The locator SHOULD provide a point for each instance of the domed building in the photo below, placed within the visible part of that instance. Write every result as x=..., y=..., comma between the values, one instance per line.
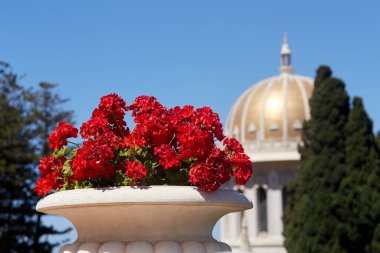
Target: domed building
x=267, y=119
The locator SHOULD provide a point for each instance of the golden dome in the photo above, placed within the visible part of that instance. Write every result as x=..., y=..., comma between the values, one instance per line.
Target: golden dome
x=269, y=115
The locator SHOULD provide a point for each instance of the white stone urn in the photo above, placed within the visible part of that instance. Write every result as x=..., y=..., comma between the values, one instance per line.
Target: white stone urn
x=153, y=219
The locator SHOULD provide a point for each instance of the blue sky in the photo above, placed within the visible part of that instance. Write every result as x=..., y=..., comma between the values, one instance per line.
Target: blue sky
x=187, y=52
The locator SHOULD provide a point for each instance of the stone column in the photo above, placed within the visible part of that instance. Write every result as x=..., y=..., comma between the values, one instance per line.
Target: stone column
x=274, y=211
x=251, y=194
x=234, y=227
x=274, y=195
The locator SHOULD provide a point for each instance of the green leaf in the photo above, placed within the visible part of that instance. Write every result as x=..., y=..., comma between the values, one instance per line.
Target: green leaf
x=155, y=165
x=123, y=153
x=144, y=153
x=61, y=152
x=139, y=151
x=73, y=153
x=177, y=176
x=148, y=164
x=156, y=180
x=87, y=184
x=66, y=168
x=119, y=178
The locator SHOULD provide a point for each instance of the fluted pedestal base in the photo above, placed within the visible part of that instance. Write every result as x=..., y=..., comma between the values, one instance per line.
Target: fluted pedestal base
x=146, y=247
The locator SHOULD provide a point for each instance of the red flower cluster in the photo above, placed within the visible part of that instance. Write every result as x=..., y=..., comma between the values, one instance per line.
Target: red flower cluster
x=58, y=138
x=135, y=170
x=166, y=146
x=93, y=161
x=51, y=174
x=167, y=157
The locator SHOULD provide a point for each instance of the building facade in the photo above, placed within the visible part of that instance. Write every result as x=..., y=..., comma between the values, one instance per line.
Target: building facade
x=267, y=119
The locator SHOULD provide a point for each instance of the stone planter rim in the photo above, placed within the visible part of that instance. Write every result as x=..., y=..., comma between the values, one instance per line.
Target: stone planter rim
x=142, y=195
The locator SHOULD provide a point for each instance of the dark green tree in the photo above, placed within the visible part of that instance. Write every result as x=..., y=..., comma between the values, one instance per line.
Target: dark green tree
x=310, y=217
x=374, y=185
x=323, y=72
x=26, y=117
x=375, y=243
x=378, y=139
x=17, y=163
x=46, y=112
x=357, y=209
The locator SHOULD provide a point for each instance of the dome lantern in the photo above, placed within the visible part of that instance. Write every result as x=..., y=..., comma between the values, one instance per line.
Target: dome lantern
x=286, y=57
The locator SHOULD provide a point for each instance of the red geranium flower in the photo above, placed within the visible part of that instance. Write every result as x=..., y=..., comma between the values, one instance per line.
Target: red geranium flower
x=51, y=174
x=243, y=168
x=135, y=170
x=167, y=157
x=93, y=161
x=58, y=138
x=233, y=145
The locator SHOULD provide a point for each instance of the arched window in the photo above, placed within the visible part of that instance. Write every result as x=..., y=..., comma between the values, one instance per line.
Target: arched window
x=286, y=60
x=262, y=209
x=284, y=197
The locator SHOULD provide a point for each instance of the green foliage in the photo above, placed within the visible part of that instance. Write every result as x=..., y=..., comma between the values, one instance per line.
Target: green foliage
x=378, y=139
x=323, y=72
x=17, y=159
x=357, y=218
x=121, y=179
x=26, y=118
x=310, y=218
x=334, y=201
x=375, y=243
x=374, y=185
x=62, y=152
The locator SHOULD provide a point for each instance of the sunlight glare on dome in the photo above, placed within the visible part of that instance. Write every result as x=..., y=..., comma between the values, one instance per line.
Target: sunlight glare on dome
x=273, y=104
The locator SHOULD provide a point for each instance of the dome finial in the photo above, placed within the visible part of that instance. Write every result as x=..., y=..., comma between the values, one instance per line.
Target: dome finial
x=286, y=66
x=284, y=39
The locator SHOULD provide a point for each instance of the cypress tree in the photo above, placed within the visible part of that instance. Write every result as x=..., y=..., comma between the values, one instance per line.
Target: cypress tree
x=310, y=217
x=374, y=185
x=355, y=199
x=378, y=138
x=323, y=72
